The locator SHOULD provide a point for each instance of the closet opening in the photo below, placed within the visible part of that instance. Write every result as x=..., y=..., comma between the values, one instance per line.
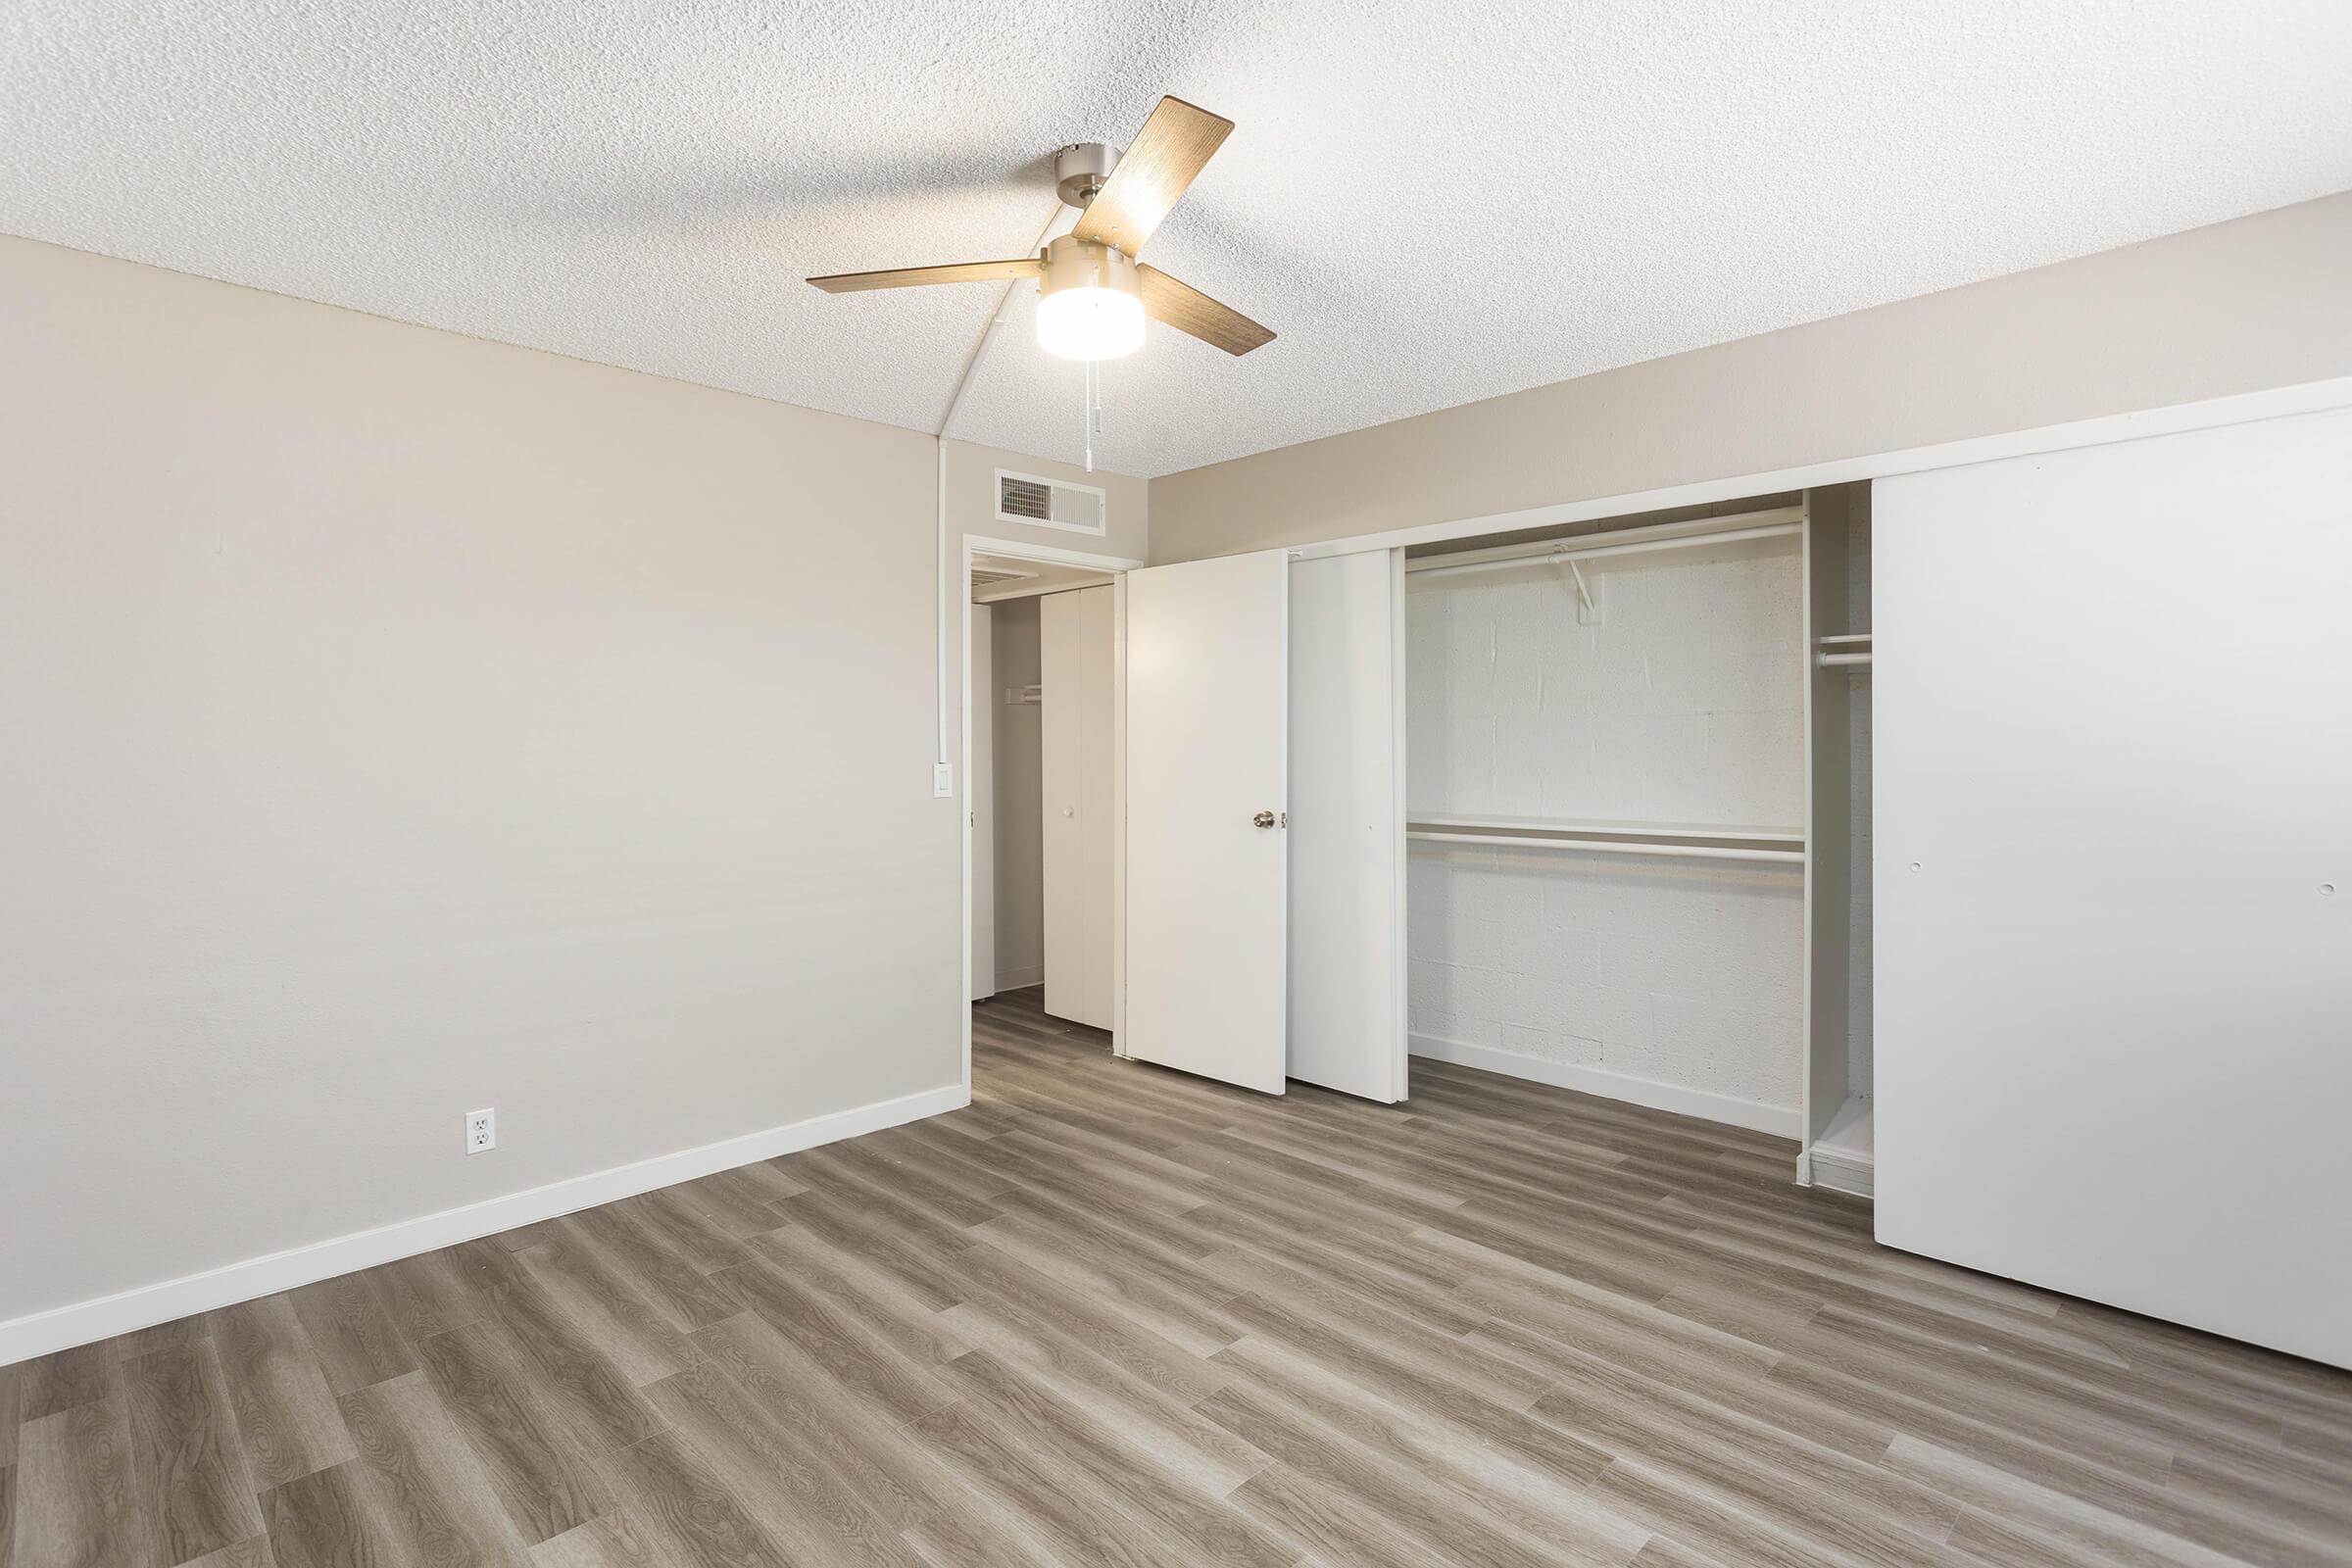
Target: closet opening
x=1637, y=809
x=1042, y=705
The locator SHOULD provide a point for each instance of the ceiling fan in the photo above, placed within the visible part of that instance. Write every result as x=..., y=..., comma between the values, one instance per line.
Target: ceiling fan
x=1095, y=293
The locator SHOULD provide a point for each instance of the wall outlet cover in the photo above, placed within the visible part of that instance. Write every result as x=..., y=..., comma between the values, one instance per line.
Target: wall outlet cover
x=481, y=1131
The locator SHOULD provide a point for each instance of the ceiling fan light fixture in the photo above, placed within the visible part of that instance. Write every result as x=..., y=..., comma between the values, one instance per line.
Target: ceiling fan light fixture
x=1095, y=293
x=1091, y=304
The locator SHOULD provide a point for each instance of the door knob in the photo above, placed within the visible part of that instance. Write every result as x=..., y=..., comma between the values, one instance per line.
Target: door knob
x=1262, y=820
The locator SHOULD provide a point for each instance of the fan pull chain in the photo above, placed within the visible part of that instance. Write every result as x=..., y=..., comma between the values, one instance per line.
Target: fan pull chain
x=1091, y=409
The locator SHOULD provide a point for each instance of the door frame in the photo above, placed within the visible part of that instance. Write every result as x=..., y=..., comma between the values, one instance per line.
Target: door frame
x=1117, y=566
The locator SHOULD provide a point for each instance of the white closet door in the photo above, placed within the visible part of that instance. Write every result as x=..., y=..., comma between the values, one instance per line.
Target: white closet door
x=980, y=792
x=1207, y=764
x=1347, y=833
x=1097, y=763
x=2113, y=716
x=1074, y=650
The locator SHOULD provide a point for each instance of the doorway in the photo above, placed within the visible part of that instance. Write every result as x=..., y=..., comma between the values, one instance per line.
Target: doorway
x=1042, y=744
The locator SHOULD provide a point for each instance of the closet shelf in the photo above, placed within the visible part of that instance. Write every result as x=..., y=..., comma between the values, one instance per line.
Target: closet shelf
x=1695, y=840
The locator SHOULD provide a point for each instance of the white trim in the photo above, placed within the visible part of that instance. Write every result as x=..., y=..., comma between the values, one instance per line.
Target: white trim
x=963, y=818
x=1840, y=1170
x=86, y=1322
x=1020, y=979
x=1812, y=873
x=1101, y=525
x=1030, y=549
x=1401, y=1077
x=2309, y=397
x=1782, y=1121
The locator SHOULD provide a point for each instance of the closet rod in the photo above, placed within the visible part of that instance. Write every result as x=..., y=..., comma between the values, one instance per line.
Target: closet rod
x=1583, y=550
x=1707, y=852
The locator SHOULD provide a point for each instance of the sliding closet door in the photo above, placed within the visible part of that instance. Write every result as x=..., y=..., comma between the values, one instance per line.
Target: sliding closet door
x=1347, y=833
x=1207, y=763
x=2114, y=874
x=1075, y=656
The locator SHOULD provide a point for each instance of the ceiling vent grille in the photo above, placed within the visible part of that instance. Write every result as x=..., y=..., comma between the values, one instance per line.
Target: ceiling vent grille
x=991, y=576
x=1050, y=503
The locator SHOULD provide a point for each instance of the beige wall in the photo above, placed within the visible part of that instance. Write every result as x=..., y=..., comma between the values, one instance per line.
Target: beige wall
x=2258, y=303
x=399, y=723
x=972, y=498
x=1019, y=798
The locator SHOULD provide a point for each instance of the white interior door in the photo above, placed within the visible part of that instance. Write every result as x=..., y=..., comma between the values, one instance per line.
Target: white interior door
x=1347, y=832
x=1075, y=647
x=1207, y=769
x=2112, y=718
x=980, y=789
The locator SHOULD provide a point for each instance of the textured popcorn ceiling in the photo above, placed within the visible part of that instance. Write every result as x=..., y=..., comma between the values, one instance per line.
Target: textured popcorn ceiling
x=1432, y=203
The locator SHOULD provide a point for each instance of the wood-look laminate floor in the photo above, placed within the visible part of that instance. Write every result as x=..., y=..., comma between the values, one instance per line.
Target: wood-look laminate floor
x=1110, y=1314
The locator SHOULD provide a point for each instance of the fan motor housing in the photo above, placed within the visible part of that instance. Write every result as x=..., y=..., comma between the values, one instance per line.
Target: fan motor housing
x=1074, y=263
x=1080, y=169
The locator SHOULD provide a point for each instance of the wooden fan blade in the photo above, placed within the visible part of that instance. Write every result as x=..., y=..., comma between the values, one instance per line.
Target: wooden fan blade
x=1187, y=310
x=1167, y=156
x=911, y=277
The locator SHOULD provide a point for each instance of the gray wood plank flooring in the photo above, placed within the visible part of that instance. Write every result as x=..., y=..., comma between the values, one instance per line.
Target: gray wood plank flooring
x=1112, y=1314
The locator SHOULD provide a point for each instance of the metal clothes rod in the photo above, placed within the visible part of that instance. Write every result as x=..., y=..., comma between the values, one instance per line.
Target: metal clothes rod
x=1598, y=828
x=1833, y=660
x=1708, y=852
x=1582, y=551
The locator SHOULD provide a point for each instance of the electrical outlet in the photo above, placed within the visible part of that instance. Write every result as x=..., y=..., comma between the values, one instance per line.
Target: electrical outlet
x=943, y=780
x=481, y=1131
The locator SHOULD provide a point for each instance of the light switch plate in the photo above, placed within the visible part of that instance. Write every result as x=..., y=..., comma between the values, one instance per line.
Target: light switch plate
x=943, y=780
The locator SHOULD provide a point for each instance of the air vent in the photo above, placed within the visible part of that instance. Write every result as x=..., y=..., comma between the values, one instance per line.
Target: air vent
x=1024, y=498
x=1049, y=502
x=991, y=576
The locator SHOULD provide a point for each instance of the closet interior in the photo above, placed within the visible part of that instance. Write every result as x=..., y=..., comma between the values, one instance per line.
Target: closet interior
x=1043, y=670
x=1637, y=809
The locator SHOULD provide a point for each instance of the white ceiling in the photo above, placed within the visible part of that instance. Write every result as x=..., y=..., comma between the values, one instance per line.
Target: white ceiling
x=1431, y=203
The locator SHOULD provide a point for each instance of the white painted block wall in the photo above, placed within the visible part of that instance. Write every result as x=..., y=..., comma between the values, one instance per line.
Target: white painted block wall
x=1686, y=704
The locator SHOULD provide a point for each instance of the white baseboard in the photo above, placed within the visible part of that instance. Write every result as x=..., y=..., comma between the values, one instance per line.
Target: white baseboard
x=1020, y=979
x=1842, y=1170
x=1781, y=1121
x=85, y=1322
